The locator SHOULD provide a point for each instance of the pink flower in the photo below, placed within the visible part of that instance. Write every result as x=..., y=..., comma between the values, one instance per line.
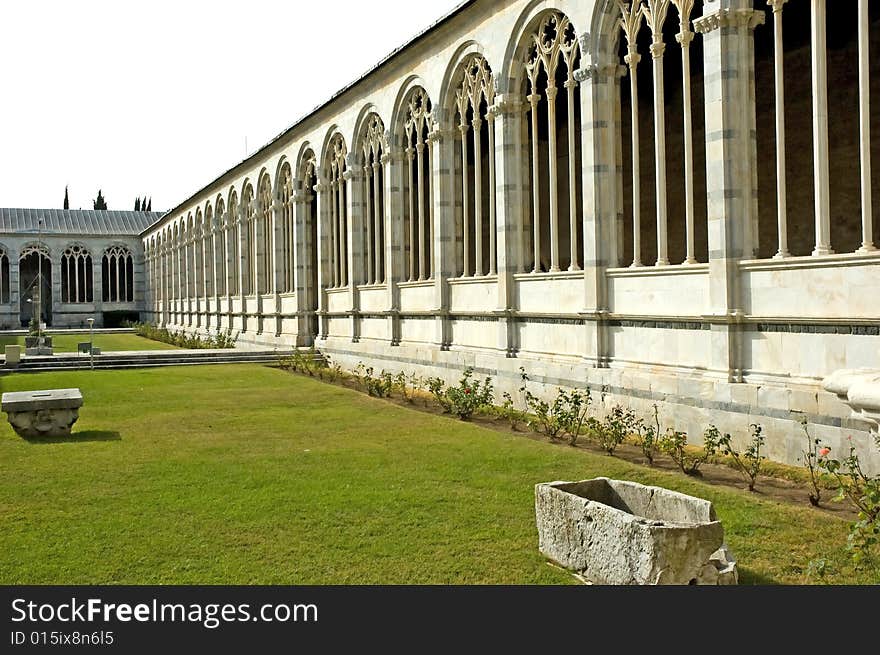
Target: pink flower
x=467, y=391
x=824, y=451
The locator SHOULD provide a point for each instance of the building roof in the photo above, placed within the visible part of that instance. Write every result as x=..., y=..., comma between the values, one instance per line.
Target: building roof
x=259, y=152
x=84, y=222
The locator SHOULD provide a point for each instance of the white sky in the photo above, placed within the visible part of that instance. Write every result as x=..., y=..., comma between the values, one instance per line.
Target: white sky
x=158, y=97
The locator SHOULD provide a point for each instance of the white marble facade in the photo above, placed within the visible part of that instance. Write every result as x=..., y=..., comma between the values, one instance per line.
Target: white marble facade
x=470, y=202
x=92, y=262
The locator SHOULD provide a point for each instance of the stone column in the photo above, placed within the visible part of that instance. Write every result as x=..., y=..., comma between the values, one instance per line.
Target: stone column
x=728, y=50
x=300, y=202
x=55, y=301
x=198, y=276
x=98, y=288
x=601, y=158
x=230, y=267
x=279, y=255
x=506, y=117
x=188, y=271
x=203, y=242
x=257, y=265
x=821, y=174
x=865, y=129
x=394, y=236
x=353, y=177
x=325, y=276
x=241, y=233
x=443, y=152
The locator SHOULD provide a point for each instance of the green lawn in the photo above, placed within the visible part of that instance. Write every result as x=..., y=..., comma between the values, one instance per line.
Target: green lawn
x=67, y=343
x=245, y=474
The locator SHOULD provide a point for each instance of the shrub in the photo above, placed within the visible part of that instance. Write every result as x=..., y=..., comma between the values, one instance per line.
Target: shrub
x=573, y=415
x=408, y=386
x=748, y=463
x=509, y=411
x=614, y=430
x=812, y=458
x=183, y=340
x=379, y=385
x=863, y=493
x=648, y=436
x=674, y=444
x=469, y=396
x=437, y=387
x=547, y=418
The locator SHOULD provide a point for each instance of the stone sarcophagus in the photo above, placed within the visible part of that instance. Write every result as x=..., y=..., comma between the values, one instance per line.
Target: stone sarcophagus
x=621, y=533
x=49, y=413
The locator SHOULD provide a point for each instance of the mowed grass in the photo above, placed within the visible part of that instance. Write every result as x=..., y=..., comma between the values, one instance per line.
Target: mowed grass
x=112, y=342
x=248, y=475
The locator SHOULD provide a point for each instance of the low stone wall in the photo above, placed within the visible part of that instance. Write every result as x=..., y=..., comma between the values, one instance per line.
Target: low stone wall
x=687, y=401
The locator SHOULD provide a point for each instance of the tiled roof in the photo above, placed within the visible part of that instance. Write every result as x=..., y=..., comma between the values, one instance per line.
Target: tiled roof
x=75, y=221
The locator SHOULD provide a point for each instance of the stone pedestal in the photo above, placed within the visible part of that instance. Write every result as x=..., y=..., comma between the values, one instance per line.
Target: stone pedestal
x=623, y=533
x=38, y=345
x=13, y=356
x=50, y=413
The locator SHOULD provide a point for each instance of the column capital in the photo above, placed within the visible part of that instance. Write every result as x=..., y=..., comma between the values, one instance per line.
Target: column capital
x=749, y=18
x=657, y=49
x=776, y=5
x=601, y=73
x=506, y=104
x=352, y=173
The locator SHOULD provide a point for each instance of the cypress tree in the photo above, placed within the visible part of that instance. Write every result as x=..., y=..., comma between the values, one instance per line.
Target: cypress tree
x=150, y=204
x=66, y=200
x=137, y=204
x=99, y=202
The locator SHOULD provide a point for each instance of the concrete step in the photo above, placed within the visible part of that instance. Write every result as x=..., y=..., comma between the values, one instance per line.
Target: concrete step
x=150, y=359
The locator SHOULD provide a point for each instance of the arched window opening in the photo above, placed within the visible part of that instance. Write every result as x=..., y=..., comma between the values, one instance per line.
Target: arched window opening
x=208, y=250
x=197, y=263
x=662, y=184
x=419, y=228
x=553, y=127
x=76, y=275
x=263, y=255
x=373, y=233
x=288, y=234
x=475, y=223
x=307, y=185
x=117, y=275
x=233, y=233
x=249, y=241
x=4, y=277
x=809, y=205
x=334, y=171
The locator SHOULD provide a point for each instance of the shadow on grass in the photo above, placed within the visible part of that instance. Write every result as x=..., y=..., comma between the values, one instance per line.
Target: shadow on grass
x=79, y=437
x=750, y=577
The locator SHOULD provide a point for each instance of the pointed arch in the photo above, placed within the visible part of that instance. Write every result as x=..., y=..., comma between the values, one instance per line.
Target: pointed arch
x=76, y=274
x=415, y=122
x=468, y=103
x=334, y=172
x=371, y=147
x=543, y=76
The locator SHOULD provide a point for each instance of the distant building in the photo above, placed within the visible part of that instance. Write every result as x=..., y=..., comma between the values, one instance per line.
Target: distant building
x=92, y=266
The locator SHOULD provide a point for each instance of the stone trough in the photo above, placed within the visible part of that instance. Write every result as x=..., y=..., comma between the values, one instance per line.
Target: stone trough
x=49, y=413
x=622, y=533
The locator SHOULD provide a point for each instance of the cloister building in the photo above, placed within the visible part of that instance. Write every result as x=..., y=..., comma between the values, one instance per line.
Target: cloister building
x=670, y=202
x=71, y=265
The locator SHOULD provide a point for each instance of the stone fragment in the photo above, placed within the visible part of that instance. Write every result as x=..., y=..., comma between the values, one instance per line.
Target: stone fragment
x=49, y=413
x=618, y=533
